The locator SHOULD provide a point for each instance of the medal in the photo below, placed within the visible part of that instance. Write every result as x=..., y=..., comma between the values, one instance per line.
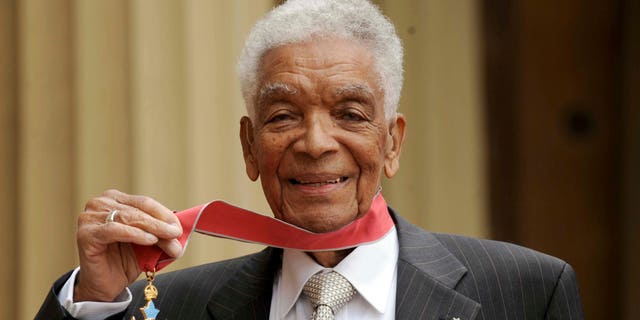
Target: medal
x=221, y=219
x=149, y=311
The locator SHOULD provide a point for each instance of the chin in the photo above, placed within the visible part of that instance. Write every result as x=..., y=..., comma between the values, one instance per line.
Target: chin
x=318, y=214
x=322, y=223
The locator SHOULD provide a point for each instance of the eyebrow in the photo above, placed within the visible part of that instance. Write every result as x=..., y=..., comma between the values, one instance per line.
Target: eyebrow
x=354, y=89
x=274, y=89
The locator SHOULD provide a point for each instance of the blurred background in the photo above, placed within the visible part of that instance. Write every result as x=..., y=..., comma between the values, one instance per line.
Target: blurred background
x=523, y=126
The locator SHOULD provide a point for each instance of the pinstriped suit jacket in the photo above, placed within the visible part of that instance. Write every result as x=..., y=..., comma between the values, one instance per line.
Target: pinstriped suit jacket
x=440, y=276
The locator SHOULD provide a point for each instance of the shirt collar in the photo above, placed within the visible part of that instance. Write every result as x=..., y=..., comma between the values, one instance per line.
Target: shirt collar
x=373, y=281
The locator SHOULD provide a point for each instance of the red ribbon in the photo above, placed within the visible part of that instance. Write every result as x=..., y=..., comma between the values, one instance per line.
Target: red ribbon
x=220, y=219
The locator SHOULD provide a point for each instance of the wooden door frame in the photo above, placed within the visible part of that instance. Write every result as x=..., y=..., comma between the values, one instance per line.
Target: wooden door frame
x=502, y=36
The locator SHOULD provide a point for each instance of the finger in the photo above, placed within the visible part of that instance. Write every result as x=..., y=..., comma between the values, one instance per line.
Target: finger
x=101, y=203
x=146, y=204
x=109, y=233
x=133, y=217
x=172, y=247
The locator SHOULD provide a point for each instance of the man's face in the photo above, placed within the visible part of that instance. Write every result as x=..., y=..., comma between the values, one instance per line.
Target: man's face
x=320, y=141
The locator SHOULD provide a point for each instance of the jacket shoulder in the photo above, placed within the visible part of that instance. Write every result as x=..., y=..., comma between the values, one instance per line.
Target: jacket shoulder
x=509, y=281
x=501, y=256
x=512, y=281
x=480, y=255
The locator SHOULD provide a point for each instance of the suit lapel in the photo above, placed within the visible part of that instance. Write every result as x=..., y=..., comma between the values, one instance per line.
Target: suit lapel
x=247, y=295
x=427, y=276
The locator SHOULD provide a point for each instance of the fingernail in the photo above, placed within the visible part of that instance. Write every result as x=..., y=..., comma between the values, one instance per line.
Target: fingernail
x=151, y=237
x=175, y=247
x=176, y=230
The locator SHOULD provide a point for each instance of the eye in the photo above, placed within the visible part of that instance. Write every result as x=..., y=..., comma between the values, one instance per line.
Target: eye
x=352, y=115
x=280, y=117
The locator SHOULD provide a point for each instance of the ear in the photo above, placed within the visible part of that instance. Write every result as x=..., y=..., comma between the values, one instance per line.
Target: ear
x=394, y=145
x=246, y=139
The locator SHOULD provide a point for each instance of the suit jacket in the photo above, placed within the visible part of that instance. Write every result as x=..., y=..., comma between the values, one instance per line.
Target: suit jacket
x=440, y=276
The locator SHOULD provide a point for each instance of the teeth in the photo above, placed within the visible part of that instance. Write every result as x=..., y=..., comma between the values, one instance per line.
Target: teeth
x=317, y=184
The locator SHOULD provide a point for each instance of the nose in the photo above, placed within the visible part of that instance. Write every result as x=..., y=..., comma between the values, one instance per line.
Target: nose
x=318, y=138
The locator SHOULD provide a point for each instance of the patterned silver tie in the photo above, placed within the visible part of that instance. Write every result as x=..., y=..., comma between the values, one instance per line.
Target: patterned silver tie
x=328, y=292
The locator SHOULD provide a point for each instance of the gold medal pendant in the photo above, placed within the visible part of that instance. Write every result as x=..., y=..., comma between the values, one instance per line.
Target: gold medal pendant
x=149, y=310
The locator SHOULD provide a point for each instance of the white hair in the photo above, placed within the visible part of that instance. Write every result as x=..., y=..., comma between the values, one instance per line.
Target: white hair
x=301, y=20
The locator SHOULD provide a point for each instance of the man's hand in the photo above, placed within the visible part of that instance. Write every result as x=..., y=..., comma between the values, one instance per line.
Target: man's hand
x=107, y=261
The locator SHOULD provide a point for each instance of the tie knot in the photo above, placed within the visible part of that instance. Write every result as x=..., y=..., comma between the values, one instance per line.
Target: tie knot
x=328, y=292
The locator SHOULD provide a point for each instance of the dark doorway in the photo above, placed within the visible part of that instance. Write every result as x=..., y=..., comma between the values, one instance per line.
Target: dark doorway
x=555, y=73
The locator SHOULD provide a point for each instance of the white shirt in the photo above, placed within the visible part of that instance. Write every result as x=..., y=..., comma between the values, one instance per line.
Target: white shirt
x=370, y=268
x=90, y=310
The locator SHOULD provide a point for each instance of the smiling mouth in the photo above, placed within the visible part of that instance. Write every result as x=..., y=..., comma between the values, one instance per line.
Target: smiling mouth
x=317, y=183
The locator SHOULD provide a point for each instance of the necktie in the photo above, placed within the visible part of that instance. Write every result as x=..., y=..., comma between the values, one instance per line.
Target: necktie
x=328, y=292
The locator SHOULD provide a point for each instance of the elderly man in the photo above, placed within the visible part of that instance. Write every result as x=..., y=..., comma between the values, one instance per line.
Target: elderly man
x=321, y=82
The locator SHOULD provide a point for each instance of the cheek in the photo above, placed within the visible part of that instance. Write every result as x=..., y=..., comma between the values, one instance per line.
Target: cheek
x=371, y=153
x=370, y=158
x=271, y=150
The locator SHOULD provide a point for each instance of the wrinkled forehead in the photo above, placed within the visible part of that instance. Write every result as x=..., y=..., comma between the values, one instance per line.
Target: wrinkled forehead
x=335, y=69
